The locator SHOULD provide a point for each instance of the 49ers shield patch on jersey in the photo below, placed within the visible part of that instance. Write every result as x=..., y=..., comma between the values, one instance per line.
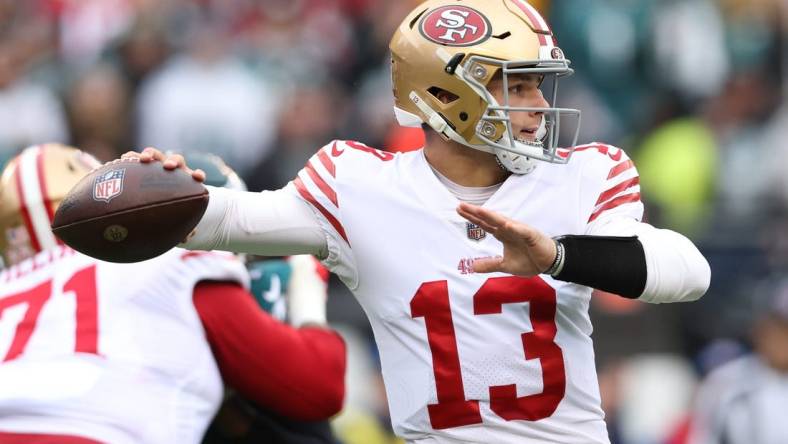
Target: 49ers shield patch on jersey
x=455, y=25
x=475, y=232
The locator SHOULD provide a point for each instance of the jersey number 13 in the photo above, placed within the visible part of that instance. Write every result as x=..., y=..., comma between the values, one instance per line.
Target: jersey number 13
x=452, y=410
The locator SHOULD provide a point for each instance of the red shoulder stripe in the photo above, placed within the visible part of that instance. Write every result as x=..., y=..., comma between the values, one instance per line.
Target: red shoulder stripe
x=324, y=187
x=299, y=184
x=620, y=200
x=327, y=162
x=620, y=168
x=617, y=189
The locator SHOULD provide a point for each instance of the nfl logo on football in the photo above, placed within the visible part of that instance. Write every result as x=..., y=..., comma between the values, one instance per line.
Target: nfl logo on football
x=109, y=185
x=475, y=232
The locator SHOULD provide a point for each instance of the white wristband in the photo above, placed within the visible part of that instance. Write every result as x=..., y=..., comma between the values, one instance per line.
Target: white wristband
x=306, y=293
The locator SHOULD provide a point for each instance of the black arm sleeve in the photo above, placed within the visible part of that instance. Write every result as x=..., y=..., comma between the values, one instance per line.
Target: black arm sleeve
x=613, y=264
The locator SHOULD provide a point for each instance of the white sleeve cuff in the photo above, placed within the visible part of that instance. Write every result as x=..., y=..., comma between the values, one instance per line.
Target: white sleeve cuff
x=306, y=292
x=675, y=270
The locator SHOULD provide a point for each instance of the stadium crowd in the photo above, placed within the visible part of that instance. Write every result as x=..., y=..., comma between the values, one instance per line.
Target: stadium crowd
x=694, y=90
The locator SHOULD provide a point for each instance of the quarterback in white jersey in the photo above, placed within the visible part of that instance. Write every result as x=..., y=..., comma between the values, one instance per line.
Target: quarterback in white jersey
x=504, y=357
x=482, y=358
x=92, y=351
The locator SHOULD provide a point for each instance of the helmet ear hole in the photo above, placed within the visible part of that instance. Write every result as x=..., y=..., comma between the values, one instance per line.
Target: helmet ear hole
x=442, y=95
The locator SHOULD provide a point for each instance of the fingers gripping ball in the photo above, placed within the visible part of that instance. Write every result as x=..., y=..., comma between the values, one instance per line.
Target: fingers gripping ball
x=127, y=211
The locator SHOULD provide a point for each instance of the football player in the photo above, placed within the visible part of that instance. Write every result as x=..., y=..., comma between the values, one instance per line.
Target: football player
x=466, y=356
x=92, y=351
x=302, y=281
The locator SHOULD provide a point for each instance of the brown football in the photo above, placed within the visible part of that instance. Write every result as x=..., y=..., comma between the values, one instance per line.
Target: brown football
x=127, y=211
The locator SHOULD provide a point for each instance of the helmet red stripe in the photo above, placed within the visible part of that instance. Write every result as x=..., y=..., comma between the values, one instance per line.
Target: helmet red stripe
x=24, y=210
x=535, y=23
x=45, y=197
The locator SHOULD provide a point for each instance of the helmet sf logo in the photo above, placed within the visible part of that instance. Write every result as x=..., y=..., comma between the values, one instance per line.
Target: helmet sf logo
x=455, y=26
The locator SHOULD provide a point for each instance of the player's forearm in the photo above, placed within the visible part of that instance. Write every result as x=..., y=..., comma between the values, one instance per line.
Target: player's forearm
x=659, y=266
x=271, y=223
x=269, y=362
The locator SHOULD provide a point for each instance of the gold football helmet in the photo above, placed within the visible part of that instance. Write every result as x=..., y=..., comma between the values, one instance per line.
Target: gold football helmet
x=459, y=47
x=31, y=187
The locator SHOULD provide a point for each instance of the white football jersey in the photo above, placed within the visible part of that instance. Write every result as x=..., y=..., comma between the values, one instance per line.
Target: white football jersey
x=116, y=353
x=466, y=357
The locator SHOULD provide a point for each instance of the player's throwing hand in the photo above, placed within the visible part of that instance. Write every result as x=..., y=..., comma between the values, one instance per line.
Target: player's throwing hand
x=526, y=250
x=170, y=161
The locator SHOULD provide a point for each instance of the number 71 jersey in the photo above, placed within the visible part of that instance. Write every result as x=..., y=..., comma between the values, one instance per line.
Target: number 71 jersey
x=468, y=357
x=111, y=352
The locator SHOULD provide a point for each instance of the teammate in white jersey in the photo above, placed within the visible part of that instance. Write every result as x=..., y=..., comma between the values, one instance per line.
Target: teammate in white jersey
x=504, y=357
x=92, y=351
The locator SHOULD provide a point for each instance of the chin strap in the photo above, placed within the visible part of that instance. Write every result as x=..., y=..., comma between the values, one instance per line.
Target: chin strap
x=541, y=132
x=514, y=163
x=439, y=124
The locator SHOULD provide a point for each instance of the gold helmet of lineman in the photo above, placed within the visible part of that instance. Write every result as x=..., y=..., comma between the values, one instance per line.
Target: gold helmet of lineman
x=32, y=186
x=459, y=47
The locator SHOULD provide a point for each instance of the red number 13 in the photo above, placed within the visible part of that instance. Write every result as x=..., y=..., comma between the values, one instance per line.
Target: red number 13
x=452, y=410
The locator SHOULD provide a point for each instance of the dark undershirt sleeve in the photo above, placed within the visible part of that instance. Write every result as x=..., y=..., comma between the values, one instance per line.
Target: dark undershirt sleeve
x=298, y=373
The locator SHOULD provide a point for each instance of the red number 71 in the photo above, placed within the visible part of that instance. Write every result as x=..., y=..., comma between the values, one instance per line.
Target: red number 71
x=83, y=285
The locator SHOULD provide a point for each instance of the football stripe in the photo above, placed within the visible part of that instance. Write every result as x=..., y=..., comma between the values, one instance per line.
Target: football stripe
x=620, y=200
x=299, y=184
x=537, y=22
x=327, y=162
x=324, y=187
x=617, y=189
x=620, y=168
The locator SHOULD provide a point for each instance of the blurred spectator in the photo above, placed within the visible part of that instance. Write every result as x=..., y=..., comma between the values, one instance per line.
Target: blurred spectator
x=745, y=400
x=311, y=115
x=689, y=46
x=677, y=163
x=29, y=113
x=87, y=26
x=738, y=117
x=206, y=100
x=302, y=40
x=688, y=87
x=98, y=106
x=141, y=50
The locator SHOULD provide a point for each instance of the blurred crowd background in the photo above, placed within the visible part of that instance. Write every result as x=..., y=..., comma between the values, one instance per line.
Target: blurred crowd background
x=694, y=91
